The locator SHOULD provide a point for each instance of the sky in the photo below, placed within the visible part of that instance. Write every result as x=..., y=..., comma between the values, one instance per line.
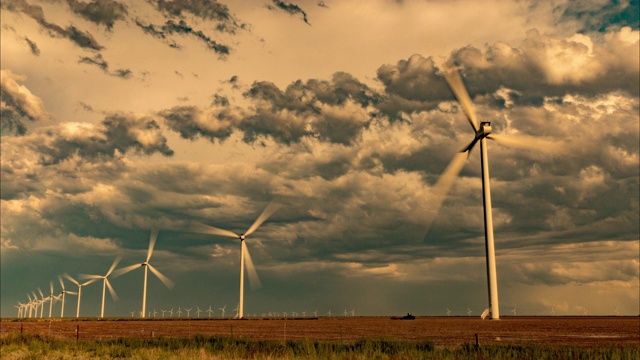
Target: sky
x=119, y=117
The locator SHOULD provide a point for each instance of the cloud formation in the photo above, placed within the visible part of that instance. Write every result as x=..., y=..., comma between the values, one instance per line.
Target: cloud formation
x=290, y=8
x=83, y=39
x=18, y=104
x=99, y=61
x=101, y=12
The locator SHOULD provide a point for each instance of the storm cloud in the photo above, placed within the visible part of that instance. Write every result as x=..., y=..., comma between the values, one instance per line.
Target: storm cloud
x=19, y=105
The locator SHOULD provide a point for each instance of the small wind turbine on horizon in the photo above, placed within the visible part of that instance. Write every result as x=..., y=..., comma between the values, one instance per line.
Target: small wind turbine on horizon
x=147, y=266
x=245, y=257
x=105, y=283
x=79, y=289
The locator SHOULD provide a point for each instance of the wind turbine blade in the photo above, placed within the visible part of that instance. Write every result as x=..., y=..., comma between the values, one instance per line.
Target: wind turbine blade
x=441, y=188
x=61, y=282
x=115, y=263
x=266, y=213
x=152, y=242
x=460, y=91
x=41, y=294
x=71, y=279
x=71, y=292
x=168, y=283
x=254, y=280
x=538, y=144
x=51, y=286
x=90, y=281
x=85, y=276
x=125, y=270
x=114, y=296
x=208, y=229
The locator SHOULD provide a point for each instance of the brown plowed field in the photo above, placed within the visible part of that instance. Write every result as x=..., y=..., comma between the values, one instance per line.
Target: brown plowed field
x=555, y=331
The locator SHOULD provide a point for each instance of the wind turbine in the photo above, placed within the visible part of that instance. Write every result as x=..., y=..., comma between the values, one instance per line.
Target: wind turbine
x=63, y=293
x=147, y=266
x=51, y=298
x=105, y=283
x=448, y=312
x=244, y=251
x=42, y=300
x=79, y=289
x=482, y=131
x=222, y=309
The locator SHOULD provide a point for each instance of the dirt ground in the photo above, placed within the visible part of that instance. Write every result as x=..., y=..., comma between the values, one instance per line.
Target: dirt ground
x=443, y=331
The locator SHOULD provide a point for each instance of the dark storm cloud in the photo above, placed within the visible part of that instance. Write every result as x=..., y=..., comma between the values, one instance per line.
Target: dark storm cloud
x=99, y=61
x=19, y=105
x=32, y=46
x=101, y=12
x=77, y=36
x=603, y=16
x=290, y=8
x=314, y=108
x=117, y=135
x=542, y=67
x=191, y=122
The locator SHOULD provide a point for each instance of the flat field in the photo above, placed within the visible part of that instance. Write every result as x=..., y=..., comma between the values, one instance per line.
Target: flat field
x=443, y=331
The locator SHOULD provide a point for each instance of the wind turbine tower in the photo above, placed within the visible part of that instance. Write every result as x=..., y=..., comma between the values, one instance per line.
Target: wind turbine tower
x=147, y=266
x=482, y=131
x=245, y=257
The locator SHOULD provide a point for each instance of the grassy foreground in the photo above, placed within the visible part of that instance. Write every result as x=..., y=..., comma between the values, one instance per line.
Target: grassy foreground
x=17, y=346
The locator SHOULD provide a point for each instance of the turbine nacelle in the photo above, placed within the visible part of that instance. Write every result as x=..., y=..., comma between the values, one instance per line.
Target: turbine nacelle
x=241, y=237
x=482, y=132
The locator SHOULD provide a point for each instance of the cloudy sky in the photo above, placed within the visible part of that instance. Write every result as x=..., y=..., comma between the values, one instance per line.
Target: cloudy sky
x=120, y=116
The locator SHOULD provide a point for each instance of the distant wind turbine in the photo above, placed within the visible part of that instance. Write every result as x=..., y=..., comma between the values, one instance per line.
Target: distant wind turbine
x=209, y=311
x=105, y=283
x=63, y=293
x=513, y=311
x=222, y=309
x=147, y=266
x=448, y=312
x=42, y=301
x=51, y=298
x=245, y=257
x=79, y=289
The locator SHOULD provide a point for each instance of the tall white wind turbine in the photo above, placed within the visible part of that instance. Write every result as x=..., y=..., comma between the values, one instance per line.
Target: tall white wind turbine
x=51, y=298
x=105, y=283
x=147, y=266
x=79, y=290
x=482, y=132
x=63, y=293
x=245, y=257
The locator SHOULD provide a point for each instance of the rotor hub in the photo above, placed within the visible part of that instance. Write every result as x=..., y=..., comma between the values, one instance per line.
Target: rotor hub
x=242, y=237
x=484, y=130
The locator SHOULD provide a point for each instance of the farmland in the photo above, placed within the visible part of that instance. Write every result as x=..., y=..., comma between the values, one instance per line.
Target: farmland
x=442, y=331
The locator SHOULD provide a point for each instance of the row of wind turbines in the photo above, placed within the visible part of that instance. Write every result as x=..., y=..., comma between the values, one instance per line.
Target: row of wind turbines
x=30, y=309
x=482, y=131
